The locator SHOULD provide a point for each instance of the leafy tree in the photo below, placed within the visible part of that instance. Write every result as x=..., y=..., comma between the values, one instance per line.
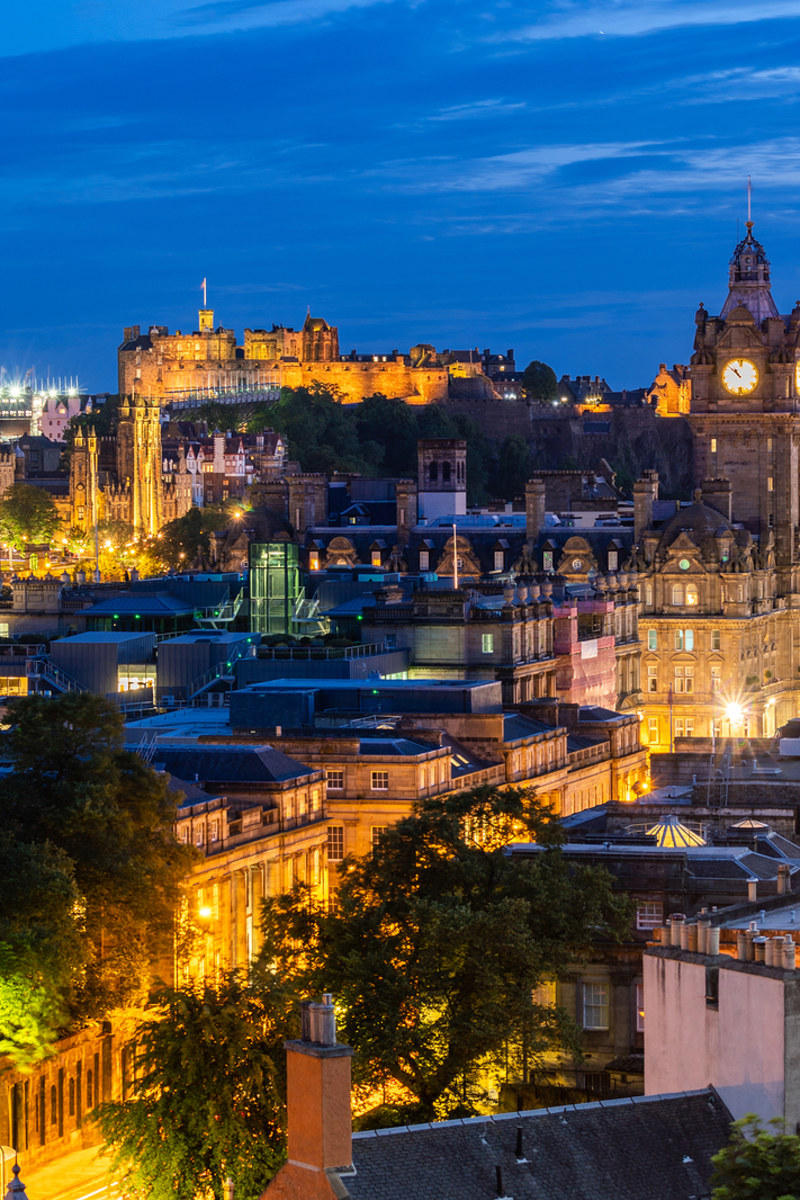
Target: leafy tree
x=41, y=946
x=757, y=1164
x=438, y=940
x=207, y=1098
x=540, y=381
x=75, y=787
x=514, y=466
x=188, y=538
x=27, y=514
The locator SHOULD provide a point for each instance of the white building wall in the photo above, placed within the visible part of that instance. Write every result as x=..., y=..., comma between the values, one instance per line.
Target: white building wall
x=737, y=1046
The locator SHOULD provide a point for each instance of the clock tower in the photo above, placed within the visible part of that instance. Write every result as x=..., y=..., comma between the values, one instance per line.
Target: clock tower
x=745, y=407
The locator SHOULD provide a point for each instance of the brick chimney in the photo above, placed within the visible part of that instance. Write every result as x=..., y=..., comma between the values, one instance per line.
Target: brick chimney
x=535, y=509
x=645, y=492
x=319, y=1125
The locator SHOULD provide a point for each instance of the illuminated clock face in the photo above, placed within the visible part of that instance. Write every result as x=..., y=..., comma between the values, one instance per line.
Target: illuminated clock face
x=740, y=376
x=577, y=563
x=684, y=564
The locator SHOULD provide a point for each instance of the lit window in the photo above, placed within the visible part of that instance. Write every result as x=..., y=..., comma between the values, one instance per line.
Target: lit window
x=716, y=677
x=424, y=560
x=613, y=560
x=652, y=730
x=678, y=639
x=715, y=639
x=770, y=484
x=214, y=837
x=639, y=1007
x=199, y=836
x=335, y=843
x=499, y=560
x=335, y=781
x=376, y=833
x=314, y=799
x=713, y=445
x=691, y=595
x=313, y=560
x=652, y=678
x=684, y=677
x=487, y=643
x=649, y=914
x=652, y=639
x=595, y=1006
x=380, y=781
x=375, y=558
x=547, y=560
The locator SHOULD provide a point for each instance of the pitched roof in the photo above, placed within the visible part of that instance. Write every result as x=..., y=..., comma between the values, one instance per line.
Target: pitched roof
x=646, y=1148
x=216, y=766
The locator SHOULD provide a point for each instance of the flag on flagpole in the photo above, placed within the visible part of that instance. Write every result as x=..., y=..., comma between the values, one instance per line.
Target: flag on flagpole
x=203, y=286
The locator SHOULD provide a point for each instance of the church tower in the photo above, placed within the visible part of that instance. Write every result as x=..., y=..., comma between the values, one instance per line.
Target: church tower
x=139, y=461
x=745, y=407
x=85, y=493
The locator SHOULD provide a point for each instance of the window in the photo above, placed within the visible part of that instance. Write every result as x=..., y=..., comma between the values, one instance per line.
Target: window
x=313, y=560
x=639, y=1000
x=499, y=560
x=649, y=914
x=684, y=639
x=716, y=677
x=652, y=730
x=335, y=781
x=684, y=677
x=677, y=593
x=380, y=781
x=375, y=558
x=214, y=834
x=335, y=843
x=689, y=727
x=547, y=560
x=652, y=678
x=595, y=1006
x=487, y=643
x=613, y=560
x=715, y=639
x=314, y=866
x=199, y=836
x=648, y=594
x=713, y=445
x=376, y=833
x=770, y=484
x=678, y=639
x=652, y=639
x=424, y=560
x=769, y=443
x=185, y=835
x=691, y=595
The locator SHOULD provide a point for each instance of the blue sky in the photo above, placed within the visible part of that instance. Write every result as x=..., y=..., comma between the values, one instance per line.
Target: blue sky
x=563, y=178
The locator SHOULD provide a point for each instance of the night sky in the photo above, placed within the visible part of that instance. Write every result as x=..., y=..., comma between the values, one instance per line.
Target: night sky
x=563, y=178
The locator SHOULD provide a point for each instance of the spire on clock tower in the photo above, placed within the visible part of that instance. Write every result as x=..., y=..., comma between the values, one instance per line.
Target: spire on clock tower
x=748, y=280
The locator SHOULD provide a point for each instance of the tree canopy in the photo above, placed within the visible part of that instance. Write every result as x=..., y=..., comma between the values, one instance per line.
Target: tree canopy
x=539, y=381
x=208, y=1095
x=438, y=939
x=757, y=1163
x=27, y=515
x=105, y=818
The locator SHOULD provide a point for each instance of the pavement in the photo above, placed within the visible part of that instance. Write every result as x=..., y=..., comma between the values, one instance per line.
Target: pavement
x=79, y=1175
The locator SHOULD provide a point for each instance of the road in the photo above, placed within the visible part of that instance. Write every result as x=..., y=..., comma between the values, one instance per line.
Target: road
x=80, y=1175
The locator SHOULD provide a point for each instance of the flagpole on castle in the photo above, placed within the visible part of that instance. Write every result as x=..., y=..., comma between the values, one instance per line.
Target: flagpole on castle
x=203, y=285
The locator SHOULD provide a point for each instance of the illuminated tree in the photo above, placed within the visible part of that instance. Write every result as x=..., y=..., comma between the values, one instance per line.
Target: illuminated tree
x=207, y=1099
x=74, y=786
x=757, y=1164
x=438, y=940
x=42, y=950
x=27, y=515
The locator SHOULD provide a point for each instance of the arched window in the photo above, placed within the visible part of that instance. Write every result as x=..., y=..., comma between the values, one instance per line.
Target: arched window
x=445, y=472
x=433, y=472
x=691, y=594
x=677, y=593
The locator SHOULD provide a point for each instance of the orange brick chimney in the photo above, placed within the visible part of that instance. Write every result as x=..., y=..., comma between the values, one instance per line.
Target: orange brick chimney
x=319, y=1125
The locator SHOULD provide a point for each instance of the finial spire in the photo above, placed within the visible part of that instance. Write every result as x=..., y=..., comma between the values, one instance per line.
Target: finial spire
x=749, y=205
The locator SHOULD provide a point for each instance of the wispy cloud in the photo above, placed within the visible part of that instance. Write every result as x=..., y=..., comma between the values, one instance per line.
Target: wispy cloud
x=625, y=19
x=224, y=16
x=502, y=172
x=476, y=109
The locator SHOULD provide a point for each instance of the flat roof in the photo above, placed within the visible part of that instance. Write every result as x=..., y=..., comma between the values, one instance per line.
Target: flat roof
x=357, y=685
x=96, y=639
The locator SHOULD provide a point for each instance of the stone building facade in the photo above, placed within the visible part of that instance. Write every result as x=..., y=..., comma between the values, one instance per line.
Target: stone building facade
x=720, y=581
x=165, y=365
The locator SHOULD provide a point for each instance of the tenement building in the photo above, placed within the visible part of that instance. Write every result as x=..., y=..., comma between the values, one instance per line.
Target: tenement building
x=720, y=580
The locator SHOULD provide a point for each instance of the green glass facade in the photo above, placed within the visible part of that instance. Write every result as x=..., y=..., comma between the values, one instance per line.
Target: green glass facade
x=274, y=586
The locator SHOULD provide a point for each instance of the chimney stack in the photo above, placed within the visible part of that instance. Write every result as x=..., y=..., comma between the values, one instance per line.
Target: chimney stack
x=319, y=1125
x=535, y=509
x=645, y=492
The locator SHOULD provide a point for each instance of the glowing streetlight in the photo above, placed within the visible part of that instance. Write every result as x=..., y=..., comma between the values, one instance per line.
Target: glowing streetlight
x=734, y=712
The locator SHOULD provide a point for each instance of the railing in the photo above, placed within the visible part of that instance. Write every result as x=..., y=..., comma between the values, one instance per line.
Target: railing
x=44, y=669
x=305, y=653
x=222, y=670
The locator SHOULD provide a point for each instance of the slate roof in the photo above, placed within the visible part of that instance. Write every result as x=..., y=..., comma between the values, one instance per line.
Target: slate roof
x=516, y=727
x=157, y=604
x=220, y=765
x=646, y=1148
